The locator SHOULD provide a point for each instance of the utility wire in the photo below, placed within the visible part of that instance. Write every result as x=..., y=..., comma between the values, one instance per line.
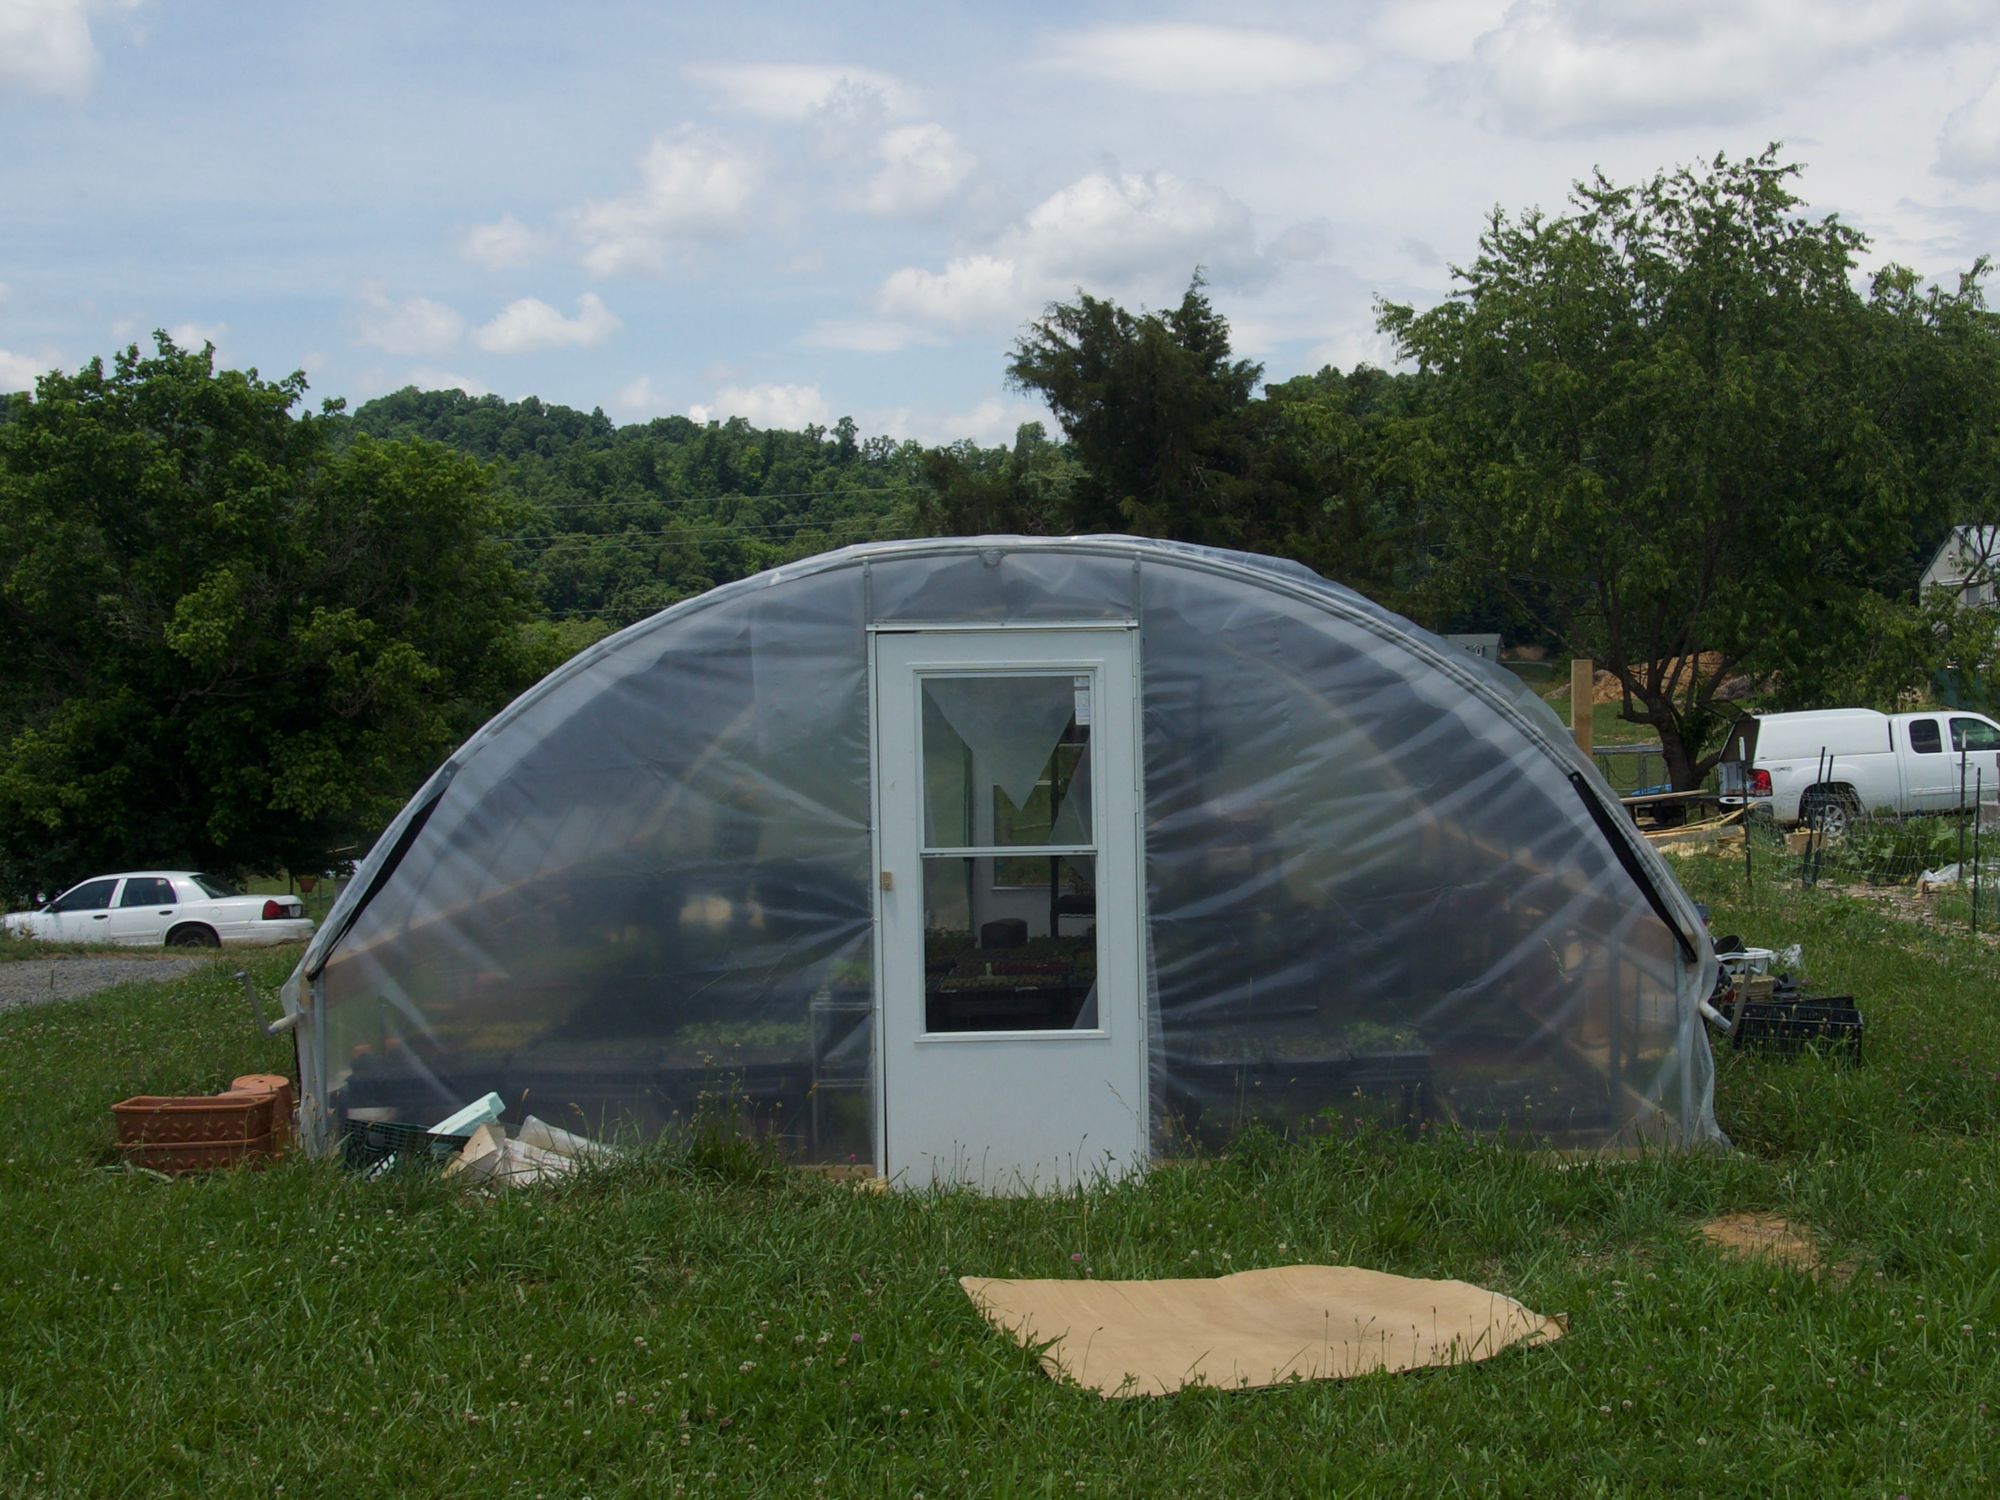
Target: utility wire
x=678, y=501
x=691, y=533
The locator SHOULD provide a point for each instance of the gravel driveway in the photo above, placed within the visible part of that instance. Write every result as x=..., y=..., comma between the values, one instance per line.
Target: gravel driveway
x=32, y=981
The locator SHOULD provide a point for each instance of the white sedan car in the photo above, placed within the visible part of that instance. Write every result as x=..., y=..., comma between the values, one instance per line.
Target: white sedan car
x=175, y=907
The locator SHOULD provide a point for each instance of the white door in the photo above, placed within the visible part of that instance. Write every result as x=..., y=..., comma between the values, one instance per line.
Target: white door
x=144, y=911
x=80, y=914
x=1931, y=783
x=1975, y=759
x=1013, y=1054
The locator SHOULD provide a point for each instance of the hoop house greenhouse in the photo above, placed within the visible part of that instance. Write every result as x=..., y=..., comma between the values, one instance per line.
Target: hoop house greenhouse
x=1013, y=861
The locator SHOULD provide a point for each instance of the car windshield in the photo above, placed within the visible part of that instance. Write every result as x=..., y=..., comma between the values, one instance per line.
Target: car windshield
x=211, y=886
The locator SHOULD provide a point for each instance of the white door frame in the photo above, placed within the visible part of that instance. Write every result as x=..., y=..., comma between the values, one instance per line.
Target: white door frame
x=1037, y=1109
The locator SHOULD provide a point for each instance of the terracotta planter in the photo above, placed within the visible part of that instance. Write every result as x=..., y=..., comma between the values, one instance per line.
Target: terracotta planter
x=282, y=1106
x=153, y=1119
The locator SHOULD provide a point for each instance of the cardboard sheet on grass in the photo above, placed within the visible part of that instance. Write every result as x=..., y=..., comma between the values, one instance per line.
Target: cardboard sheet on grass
x=1151, y=1338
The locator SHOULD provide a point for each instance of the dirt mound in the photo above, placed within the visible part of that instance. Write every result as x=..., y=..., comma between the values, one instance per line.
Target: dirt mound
x=1607, y=691
x=1763, y=1237
x=1605, y=687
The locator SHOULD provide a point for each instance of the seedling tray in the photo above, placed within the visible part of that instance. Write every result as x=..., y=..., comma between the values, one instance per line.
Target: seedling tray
x=367, y=1144
x=1787, y=1027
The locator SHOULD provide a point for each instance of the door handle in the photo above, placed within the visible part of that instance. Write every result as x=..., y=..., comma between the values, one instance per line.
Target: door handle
x=100, y=916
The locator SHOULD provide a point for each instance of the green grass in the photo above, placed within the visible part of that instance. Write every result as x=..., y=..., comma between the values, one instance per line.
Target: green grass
x=21, y=950
x=705, y=1324
x=1607, y=727
x=317, y=902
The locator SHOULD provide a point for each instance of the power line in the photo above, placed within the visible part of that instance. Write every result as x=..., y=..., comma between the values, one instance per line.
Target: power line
x=628, y=614
x=678, y=501
x=640, y=535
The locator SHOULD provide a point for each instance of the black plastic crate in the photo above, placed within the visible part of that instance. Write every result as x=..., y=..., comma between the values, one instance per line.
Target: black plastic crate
x=390, y=1146
x=1789, y=1025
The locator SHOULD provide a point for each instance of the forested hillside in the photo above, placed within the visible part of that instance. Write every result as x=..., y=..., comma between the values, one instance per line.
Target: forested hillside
x=610, y=524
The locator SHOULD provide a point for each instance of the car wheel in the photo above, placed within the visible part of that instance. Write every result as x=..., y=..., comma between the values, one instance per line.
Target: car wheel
x=1834, y=813
x=193, y=937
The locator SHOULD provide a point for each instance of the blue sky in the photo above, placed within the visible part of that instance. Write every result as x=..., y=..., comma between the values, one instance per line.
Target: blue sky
x=795, y=213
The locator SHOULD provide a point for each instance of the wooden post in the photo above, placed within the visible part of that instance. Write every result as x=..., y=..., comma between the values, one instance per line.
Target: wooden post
x=1582, y=689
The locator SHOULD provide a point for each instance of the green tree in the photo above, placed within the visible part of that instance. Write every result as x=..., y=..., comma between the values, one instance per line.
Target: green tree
x=1169, y=436
x=1029, y=489
x=618, y=522
x=231, y=646
x=1935, y=374
x=1156, y=410
x=1667, y=423
x=1333, y=478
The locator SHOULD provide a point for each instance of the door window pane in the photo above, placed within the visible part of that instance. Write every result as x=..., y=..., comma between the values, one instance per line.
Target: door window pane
x=1022, y=958
x=1006, y=760
x=92, y=895
x=1925, y=738
x=1974, y=734
x=148, y=890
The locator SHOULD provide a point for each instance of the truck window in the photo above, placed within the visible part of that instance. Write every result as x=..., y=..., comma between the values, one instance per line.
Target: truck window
x=1974, y=734
x=1924, y=737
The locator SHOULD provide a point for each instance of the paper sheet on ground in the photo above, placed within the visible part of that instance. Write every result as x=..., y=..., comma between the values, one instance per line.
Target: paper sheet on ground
x=1150, y=1338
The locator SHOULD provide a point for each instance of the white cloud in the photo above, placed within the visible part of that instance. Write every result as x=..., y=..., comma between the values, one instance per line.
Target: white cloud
x=1307, y=241
x=1134, y=225
x=528, y=325
x=972, y=290
x=638, y=401
x=694, y=186
x=46, y=47
x=1127, y=235
x=797, y=92
x=1435, y=31
x=427, y=379
x=864, y=336
x=1562, y=67
x=923, y=167
x=785, y=407
x=1181, y=59
x=989, y=422
x=506, y=244
x=1969, y=146
x=193, y=336
x=1356, y=344
x=410, y=327
x=1420, y=251
x=19, y=372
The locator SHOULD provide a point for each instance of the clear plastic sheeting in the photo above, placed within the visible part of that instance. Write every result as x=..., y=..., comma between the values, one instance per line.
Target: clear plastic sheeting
x=644, y=896
x=1379, y=885
x=1372, y=900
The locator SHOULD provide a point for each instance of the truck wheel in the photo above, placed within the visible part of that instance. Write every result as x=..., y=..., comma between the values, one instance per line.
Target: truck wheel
x=1834, y=813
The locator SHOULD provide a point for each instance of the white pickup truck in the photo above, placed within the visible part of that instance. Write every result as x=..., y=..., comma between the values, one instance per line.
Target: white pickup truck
x=1837, y=764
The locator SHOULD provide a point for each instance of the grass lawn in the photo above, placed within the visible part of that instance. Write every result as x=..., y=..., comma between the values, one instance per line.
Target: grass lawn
x=705, y=1324
x=1607, y=724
